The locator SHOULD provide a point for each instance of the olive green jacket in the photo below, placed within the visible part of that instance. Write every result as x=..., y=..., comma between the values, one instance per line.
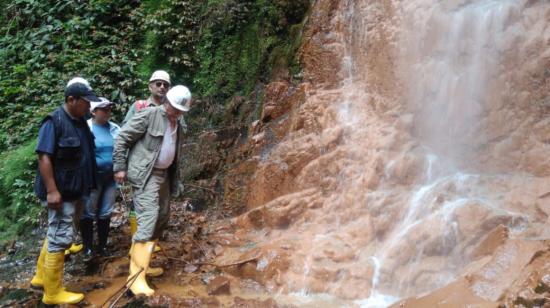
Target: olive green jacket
x=138, y=144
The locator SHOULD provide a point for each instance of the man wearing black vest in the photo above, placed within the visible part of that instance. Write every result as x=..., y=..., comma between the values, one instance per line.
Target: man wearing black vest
x=66, y=168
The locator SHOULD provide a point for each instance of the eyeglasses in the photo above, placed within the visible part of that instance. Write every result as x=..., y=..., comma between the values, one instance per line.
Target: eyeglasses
x=161, y=83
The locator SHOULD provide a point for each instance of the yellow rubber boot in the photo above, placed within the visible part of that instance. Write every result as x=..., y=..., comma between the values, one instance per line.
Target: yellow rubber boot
x=141, y=256
x=54, y=293
x=151, y=271
x=38, y=279
x=75, y=248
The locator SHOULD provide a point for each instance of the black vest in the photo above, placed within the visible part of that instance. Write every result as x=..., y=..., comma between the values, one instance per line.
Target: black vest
x=68, y=165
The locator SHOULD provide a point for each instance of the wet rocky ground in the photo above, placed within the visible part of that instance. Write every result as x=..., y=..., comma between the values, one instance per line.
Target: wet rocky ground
x=191, y=278
x=195, y=277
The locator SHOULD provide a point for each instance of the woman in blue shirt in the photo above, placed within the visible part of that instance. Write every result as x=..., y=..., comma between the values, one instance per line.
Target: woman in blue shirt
x=100, y=204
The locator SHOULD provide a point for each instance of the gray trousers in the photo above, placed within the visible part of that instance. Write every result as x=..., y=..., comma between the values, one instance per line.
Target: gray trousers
x=152, y=205
x=61, y=228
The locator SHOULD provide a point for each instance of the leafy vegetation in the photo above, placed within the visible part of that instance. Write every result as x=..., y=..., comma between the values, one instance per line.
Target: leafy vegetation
x=220, y=48
x=16, y=191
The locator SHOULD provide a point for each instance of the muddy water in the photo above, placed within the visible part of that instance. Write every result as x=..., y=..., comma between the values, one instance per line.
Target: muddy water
x=420, y=130
x=176, y=289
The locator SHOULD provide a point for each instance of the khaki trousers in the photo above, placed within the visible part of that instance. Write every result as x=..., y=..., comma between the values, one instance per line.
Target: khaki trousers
x=152, y=205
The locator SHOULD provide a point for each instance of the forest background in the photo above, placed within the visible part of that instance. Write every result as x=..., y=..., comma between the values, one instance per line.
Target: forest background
x=224, y=50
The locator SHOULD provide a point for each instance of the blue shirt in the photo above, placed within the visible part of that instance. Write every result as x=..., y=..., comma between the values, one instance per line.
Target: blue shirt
x=47, y=143
x=103, y=146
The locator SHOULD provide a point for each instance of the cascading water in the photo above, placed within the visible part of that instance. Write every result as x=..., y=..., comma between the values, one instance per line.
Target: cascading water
x=451, y=50
x=397, y=163
x=454, y=52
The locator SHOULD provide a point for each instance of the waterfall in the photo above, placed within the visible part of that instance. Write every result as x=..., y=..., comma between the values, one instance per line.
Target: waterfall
x=412, y=138
x=449, y=54
x=453, y=53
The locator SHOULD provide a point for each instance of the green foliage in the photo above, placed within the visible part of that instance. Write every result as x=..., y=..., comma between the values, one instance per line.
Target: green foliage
x=220, y=48
x=48, y=42
x=236, y=42
x=19, y=210
x=171, y=27
x=45, y=43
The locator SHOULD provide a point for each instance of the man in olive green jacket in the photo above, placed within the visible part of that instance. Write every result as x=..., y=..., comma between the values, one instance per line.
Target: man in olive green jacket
x=146, y=153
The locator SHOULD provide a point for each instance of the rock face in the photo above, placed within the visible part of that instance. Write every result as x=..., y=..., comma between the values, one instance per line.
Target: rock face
x=412, y=156
x=219, y=286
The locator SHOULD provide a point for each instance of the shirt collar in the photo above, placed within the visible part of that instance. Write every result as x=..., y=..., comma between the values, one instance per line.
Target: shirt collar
x=151, y=102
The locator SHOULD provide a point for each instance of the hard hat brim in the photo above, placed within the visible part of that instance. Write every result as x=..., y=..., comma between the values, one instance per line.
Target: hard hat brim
x=183, y=108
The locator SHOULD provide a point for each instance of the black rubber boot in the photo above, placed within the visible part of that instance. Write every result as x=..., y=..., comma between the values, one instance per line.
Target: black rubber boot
x=103, y=226
x=87, y=233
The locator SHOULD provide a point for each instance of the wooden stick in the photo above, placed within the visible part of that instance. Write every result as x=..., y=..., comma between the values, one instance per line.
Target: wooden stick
x=214, y=264
x=201, y=187
x=126, y=287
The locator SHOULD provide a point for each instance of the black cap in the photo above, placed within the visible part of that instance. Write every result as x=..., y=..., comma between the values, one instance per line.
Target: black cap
x=79, y=89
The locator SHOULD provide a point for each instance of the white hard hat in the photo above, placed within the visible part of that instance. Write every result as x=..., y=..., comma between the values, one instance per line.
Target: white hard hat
x=160, y=75
x=179, y=97
x=79, y=80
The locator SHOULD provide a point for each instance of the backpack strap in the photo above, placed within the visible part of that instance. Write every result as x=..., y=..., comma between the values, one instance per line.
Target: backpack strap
x=140, y=105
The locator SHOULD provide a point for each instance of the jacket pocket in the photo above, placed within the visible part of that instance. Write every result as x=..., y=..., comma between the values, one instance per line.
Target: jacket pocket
x=68, y=153
x=69, y=182
x=153, y=140
x=137, y=169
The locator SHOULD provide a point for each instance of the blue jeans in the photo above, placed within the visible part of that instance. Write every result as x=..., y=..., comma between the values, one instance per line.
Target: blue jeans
x=101, y=201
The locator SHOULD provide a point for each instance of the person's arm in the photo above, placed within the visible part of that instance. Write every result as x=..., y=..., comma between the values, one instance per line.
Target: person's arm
x=46, y=171
x=45, y=149
x=128, y=135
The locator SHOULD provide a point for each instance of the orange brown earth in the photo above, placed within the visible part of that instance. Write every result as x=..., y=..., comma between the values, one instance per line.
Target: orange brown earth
x=409, y=167
x=410, y=162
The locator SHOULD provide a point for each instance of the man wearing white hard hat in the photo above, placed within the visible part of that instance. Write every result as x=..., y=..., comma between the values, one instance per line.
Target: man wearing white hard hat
x=146, y=154
x=159, y=84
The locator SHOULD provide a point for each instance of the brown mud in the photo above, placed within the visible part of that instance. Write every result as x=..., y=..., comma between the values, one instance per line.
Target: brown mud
x=191, y=279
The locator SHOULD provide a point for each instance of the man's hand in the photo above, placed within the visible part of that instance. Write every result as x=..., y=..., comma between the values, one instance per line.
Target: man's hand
x=53, y=197
x=54, y=200
x=120, y=177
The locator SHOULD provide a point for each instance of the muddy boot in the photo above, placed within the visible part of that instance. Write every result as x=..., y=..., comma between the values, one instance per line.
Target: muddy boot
x=151, y=271
x=140, y=258
x=103, y=226
x=54, y=293
x=87, y=233
x=38, y=279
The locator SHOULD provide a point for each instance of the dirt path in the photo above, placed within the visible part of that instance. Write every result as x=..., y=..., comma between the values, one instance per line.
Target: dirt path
x=190, y=279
